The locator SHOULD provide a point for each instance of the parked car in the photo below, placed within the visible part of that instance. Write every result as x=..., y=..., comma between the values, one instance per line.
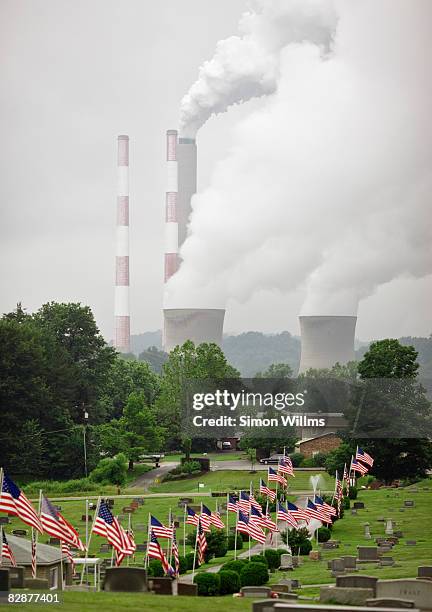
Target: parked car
x=270, y=460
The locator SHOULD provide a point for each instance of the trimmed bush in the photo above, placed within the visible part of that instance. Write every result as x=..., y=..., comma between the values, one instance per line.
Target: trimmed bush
x=273, y=558
x=298, y=540
x=236, y=565
x=183, y=565
x=353, y=493
x=231, y=541
x=254, y=574
x=297, y=459
x=208, y=584
x=229, y=582
x=346, y=503
x=155, y=569
x=259, y=559
x=216, y=544
x=324, y=534
x=189, y=560
x=110, y=471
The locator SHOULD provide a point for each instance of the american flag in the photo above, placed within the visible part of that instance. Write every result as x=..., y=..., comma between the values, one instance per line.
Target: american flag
x=269, y=523
x=329, y=510
x=298, y=513
x=275, y=477
x=201, y=543
x=217, y=521
x=33, y=555
x=65, y=548
x=254, y=503
x=356, y=466
x=159, y=529
x=129, y=546
x=232, y=504
x=175, y=554
x=244, y=501
x=265, y=490
x=316, y=512
x=6, y=551
x=361, y=455
x=338, y=494
x=257, y=517
x=57, y=526
x=192, y=516
x=244, y=525
x=288, y=461
x=13, y=501
x=108, y=527
x=206, y=517
x=282, y=514
x=346, y=479
x=154, y=551
x=285, y=468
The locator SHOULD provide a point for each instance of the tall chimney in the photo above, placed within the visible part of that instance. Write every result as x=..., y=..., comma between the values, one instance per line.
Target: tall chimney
x=171, y=213
x=187, y=183
x=121, y=308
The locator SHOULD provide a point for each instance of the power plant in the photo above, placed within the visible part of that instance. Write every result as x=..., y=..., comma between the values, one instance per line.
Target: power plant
x=121, y=300
x=326, y=340
x=181, y=324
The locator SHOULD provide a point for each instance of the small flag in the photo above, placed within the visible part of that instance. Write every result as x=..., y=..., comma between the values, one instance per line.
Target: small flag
x=257, y=517
x=265, y=490
x=285, y=468
x=248, y=527
x=13, y=501
x=254, y=503
x=298, y=513
x=33, y=555
x=57, y=526
x=201, y=543
x=66, y=551
x=154, y=551
x=192, y=516
x=275, y=477
x=217, y=521
x=108, y=527
x=206, y=517
x=356, y=466
x=362, y=456
x=159, y=529
x=175, y=554
x=232, y=505
x=282, y=514
x=6, y=551
x=244, y=501
x=346, y=479
x=329, y=509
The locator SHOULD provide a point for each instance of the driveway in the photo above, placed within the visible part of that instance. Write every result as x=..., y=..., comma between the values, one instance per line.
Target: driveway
x=146, y=480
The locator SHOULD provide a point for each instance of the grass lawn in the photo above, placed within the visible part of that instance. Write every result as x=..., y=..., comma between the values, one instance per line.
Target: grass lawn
x=228, y=456
x=114, y=602
x=230, y=480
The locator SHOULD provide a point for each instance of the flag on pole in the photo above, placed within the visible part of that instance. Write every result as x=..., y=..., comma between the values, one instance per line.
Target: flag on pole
x=108, y=527
x=232, y=505
x=282, y=514
x=361, y=455
x=244, y=501
x=254, y=503
x=57, y=526
x=192, y=517
x=244, y=525
x=7, y=551
x=175, y=554
x=356, y=466
x=316, y=512
x=269, y=523
x=275, y=477
x=217, y=521
x=66, y=551
x=298, y=513
x=346, y=479
x=159, y=529
x=257, y=517
x=327, y=507
x=154, y=551
x=285, y=468
x=201, y=543
x=13, y=501
x=206, y=517
x=265, y=490
x=33, y=555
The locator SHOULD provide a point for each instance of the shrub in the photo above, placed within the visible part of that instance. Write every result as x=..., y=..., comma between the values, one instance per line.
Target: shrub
x=254, y=574
x=208, y=584
x=189, y=560
x=297, y=459
x=155, y=568
x=324, y=534
x=346, y=503
x=216, y=544
x=188, y=467
x=236, y=565
x=259, y=559
x=298, y=540
x=229, y=582
x=183, y=565
x=273, y=558
x=231, y=541
x=110, y=471
x=353, y=493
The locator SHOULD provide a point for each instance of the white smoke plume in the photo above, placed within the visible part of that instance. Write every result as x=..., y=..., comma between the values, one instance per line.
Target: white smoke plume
x=327, y=185
x=247, y=66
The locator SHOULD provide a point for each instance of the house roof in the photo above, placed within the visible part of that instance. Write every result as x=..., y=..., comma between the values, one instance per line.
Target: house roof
x=323, y=435
x=45, y=554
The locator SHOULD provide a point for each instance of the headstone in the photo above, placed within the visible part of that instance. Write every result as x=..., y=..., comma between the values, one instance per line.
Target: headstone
x=4, y=581
x=329, y=545
x=176, y=524
x=281, y=588
x=185, y=588
x=315, y=555
x=401, y=509
x=358, y=505
x=54, y=541
x=353, y=511
x=345, y=595
x=389, y=603
x=110, y=503
x=195, y=508
x=389, y=527
x=357, y=581
x=36, y=584
x=424, y=571
x=337, y=566
x=125, y=579
x=265, y=605
x=381, y=519
x=141, y=547
x=367, y=533
x=418, y=591
x=291, y=596
x=286, y=562
x=162, y=586
x=409, y=503
x=386, y=562
x=349, y=562
x=384, y=548
x=105, y=548
x=84, y=518
x=128, y=510
x=255, y=591
x=16, y=575
x=21, y=533
x=296, y=561
x=398, y=534
x=4, y=520
x=411, y=542
x=186, y=500
x=139, y=527
x=367, y=554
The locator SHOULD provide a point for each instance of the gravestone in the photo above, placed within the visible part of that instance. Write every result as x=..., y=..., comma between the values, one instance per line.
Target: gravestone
x=367, y=554
x=345, y=595
x=105, y=548
x=255, y=591
x=386, y=562
x=162, y=586
x=424, y=571
x=281, y=588
x=401, y=509
x=287, y=596
x=195, y=508
x=141, y=547
x=110, y=503
x=315, y=555
x=353, y=511
x=418, y=591
x=16, y=575
x=398, y=534
x=337, y=566
x=411, y=542
x=84, y=518
x=128, y=510
x=176, y=524
x=36, y=584
x=296, y=561
x=125, y=579
x=384, y=548
x=329, y=545
x=349, y=562
x=409, y=503
x=358, y=505
x=357, y=581
x=21, y=533
x=367, y=533
x=389, y=527
x=185, y=588
x=286, y=562
x=265, y=605
x=4, y=581
x=140, y=527
x=389, y=603
x=54, y=541
x=4, y=520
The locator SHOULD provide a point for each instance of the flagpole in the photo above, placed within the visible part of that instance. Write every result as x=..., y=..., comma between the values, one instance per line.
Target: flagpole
x=148, y=541
x=195, y=549
x=277, y=501
x=129, y=530
x=1, y=543
x=184, y=531
x=169, y=542
x=90, y=536
x=265, y=541
x=235, y=535
x=37, y=531
x=227, y=516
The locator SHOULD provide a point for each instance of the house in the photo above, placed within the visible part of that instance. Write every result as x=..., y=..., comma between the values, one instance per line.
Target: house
x=324, y=443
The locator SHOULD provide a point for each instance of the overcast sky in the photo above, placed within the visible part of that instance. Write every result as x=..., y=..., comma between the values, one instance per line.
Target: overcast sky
x=74, y=75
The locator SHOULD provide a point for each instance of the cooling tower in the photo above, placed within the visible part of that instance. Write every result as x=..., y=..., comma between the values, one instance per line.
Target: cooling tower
x=326, y=340
x=196, y=324
x=187, y=183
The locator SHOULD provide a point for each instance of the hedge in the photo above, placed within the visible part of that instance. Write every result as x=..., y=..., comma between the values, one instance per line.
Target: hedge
x=208, y=584
x=229, y=582
x=254, y=574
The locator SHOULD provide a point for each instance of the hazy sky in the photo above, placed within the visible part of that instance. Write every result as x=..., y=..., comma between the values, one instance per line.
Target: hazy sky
x=74, y=75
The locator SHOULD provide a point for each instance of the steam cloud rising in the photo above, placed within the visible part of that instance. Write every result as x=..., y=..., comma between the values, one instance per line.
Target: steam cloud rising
x=328, y=184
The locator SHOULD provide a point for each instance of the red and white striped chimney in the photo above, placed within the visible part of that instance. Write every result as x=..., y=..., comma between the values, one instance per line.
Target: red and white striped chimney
x=121, y=308
x=171, y=213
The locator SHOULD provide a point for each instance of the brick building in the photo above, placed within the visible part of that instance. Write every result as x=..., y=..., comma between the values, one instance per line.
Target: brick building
x=324, y=443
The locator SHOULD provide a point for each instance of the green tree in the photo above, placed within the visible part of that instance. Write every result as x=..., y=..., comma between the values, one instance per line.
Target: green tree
x=389, y=359
x=266, y=443
x=276, y=370
x=252, y=456
x=337, y=458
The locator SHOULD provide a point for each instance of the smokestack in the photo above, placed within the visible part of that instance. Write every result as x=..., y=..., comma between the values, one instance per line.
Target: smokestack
x=187, y=183
x=196, y=324
x=171, y=207
x=326, y=340
x=121, y=308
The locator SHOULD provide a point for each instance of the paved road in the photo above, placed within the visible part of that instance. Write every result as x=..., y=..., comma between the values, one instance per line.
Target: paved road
x=147, y=479
x=243, y=464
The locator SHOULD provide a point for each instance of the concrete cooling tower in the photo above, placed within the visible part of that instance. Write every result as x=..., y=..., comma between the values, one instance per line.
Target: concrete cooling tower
x=326, y=340
x=196, y=324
